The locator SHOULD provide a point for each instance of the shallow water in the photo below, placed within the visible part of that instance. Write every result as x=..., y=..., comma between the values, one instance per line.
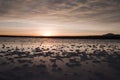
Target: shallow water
x=59, y=59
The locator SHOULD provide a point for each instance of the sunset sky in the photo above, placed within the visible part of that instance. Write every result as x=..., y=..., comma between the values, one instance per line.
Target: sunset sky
x=59, y=17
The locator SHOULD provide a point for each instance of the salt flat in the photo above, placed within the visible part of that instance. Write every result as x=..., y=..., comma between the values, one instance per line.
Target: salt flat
x=59, y=59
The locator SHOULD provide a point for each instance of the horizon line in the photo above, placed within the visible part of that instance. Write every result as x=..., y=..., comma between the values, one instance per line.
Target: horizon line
x=104, y=36
x=59, y=35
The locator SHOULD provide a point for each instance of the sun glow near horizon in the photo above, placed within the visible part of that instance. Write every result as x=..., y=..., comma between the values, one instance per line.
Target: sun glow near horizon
x=48, y=33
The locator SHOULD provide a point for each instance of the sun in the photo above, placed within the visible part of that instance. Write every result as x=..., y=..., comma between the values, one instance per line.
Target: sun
x=47, y=33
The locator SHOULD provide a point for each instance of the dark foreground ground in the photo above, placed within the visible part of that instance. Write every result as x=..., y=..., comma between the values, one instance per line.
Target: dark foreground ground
x=59, y=59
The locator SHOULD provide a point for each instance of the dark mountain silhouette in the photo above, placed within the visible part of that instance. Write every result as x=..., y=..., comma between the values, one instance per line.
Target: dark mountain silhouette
x=111, y=35
x=105, y=36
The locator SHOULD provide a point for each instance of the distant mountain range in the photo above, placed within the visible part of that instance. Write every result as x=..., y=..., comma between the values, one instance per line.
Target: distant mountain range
x=111, y=34
x=105, y=36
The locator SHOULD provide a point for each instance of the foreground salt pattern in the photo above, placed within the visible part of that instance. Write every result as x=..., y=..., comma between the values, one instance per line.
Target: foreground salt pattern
x=59, y=59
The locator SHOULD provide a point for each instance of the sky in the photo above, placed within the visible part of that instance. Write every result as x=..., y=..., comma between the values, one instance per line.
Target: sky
x=59, y=17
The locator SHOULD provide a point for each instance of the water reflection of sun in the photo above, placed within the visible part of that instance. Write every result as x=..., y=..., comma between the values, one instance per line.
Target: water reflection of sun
x=47, y=43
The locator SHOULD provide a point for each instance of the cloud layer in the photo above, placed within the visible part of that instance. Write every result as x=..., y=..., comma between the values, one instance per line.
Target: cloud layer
x=99, y=10
x=62, y=13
